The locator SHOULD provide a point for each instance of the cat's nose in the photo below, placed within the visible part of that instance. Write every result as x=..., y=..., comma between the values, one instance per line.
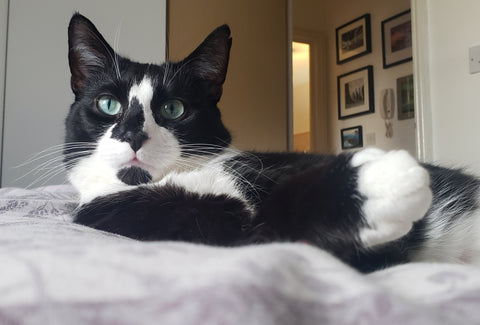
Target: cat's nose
x=135, y=139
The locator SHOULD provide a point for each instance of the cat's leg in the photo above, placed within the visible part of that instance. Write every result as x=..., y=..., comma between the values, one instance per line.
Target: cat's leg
x=396, y=191
x=200, y=206
x=351, y=204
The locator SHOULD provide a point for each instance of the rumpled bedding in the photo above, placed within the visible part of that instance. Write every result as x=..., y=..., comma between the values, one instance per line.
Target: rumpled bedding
x=53, y=271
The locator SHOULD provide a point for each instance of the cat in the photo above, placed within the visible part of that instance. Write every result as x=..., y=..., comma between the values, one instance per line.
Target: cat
x=151, y=159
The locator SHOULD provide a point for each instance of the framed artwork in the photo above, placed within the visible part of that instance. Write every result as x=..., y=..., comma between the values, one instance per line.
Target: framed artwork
x=352, y=137
x=354, y=39
x=405, y=98
x=397, y=39
x=355, y=93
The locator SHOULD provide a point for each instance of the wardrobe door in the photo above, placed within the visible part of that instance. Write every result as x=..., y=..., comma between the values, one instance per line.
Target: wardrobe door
x=38, y=95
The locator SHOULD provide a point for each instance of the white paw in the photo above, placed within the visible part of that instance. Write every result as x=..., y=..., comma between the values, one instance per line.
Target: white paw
x=397, y=193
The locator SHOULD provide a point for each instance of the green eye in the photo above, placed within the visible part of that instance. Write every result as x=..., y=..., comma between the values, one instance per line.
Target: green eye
x=172, y=109
x=109, y=105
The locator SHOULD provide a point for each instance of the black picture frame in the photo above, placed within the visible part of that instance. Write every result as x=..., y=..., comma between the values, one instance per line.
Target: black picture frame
x=355, y=93
x=352, y=137
x=353, y=39
x=405, y=98
x=397, y=39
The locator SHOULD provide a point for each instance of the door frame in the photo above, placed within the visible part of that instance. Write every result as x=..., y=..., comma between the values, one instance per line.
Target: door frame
x=421, y=77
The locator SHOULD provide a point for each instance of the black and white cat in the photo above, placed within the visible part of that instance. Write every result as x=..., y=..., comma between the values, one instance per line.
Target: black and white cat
x=151, y=159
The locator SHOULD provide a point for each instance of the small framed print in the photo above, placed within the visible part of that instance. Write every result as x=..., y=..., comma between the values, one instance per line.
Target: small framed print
x=352, y=137
x=353, y=39
x=355, y=93
x=405, y=98
x=397, y=39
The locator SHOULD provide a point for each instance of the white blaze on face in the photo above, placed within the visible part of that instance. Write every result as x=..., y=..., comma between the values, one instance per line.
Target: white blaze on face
x=143, y=92
x=161, y=150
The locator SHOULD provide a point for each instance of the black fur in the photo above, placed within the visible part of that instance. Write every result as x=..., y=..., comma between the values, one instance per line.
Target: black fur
x=168, y=213
x=129, y=128
x=134, y=176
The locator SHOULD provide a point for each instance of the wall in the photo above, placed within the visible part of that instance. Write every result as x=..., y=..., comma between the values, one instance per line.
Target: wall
x=254, y=101
x=38, y=91
x=324, y=17
x=453, y=27
x=3, y=53
x=301, y=88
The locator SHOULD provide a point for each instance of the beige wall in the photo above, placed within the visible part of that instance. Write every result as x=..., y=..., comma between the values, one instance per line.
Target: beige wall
x=324, y=17
x=254, y=102
x=301, y=106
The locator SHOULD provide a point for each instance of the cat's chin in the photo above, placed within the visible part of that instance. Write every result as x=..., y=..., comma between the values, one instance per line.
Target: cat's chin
x=134, y=175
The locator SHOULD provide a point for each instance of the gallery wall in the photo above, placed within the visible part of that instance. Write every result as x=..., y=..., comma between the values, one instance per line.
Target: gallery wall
x=324, y=17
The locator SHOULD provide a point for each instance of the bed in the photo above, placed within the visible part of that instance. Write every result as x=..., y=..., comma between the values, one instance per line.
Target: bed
x=56, y=272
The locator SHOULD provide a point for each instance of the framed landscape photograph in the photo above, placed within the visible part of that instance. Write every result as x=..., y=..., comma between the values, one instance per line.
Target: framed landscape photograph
x=397, y=39
x=405, y=98
x=353, y=39
x=355, y=93
x=352, y=137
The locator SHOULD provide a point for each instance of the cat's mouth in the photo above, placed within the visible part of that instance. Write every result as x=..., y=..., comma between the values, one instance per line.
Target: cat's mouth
x=135, y=162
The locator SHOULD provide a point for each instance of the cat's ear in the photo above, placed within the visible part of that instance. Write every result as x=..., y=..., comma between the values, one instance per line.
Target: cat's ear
x=88, y=52
x=210, y=59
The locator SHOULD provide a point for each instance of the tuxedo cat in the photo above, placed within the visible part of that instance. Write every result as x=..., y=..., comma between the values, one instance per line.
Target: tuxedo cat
x=147, y=151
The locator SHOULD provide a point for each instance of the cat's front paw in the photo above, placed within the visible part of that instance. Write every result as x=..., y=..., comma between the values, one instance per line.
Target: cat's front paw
x=396, y=190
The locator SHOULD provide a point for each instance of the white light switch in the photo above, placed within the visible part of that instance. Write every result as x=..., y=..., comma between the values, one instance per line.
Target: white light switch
x=474, y=59
x=370, y=139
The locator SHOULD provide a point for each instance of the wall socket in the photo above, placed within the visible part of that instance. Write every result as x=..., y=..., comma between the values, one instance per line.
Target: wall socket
x=474, y=59
x=370, y=139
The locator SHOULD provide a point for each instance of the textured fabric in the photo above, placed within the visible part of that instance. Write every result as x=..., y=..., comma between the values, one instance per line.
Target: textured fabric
x=55, y=272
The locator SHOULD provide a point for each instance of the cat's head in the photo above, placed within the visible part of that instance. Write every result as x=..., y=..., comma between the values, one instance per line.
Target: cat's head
x=140, y=121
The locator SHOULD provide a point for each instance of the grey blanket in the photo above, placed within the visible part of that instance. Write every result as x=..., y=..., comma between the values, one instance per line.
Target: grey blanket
x=55, y=272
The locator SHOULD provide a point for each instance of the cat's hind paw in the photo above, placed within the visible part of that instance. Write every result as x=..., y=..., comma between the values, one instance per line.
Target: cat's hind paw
x=396, y=190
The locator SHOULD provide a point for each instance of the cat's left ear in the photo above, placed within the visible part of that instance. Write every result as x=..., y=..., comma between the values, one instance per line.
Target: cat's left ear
x=88, y=51
x=210, y=59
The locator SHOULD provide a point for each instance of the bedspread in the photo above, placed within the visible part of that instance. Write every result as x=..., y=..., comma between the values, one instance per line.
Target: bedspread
x=55, y=272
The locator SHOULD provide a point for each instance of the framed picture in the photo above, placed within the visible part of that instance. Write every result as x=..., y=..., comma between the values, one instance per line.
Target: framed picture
x=405, y=98
x=397, y=39
x=353, y=39
x=355, y=93
x=352, y=137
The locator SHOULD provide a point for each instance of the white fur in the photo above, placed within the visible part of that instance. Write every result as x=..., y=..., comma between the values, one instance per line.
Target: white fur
x=397, y=194
x=96, y=175
x=211, y=178
x=454, y=242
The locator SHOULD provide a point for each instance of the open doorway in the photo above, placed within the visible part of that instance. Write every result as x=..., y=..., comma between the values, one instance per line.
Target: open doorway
x=301, y=96
x=309, y=119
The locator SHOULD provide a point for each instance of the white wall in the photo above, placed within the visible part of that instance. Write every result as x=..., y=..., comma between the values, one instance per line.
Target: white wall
x=454, y=26
x=38, y=93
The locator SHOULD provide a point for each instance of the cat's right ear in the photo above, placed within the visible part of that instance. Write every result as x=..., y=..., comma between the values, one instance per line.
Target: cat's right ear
x=88, y=52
